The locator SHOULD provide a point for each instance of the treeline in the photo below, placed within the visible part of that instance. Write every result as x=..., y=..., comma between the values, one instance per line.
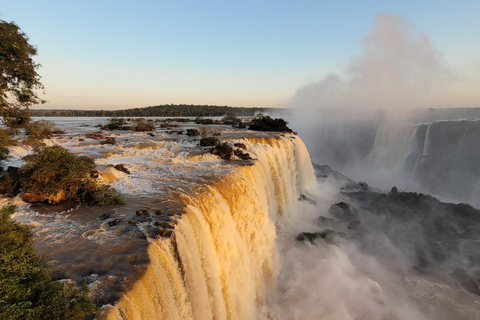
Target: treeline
x=169, y=110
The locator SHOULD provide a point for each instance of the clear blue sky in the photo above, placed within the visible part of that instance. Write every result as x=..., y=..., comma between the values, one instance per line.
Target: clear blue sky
x=122, y=54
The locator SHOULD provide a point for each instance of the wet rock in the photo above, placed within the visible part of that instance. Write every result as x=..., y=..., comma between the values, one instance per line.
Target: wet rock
x=158, y=212
x=327, y=222
x=353, y=224
x=113, y=222
x=245, y=156
x=81, y=139
x=241, y=145
x=303, y=197
x=326, y=235
x=13, y=169
x=343, y=211
x=142, y=212
x=106, y=215
x=94, y=174
x=33, y=197
x=151, y=134
x=121, y=167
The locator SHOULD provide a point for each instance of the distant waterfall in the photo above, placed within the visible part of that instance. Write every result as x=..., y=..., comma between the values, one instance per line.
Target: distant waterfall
x=393, y=143
x=222, y=260
x=443, y=157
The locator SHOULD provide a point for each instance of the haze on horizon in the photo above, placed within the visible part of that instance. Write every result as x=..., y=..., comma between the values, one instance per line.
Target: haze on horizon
x=118, y=55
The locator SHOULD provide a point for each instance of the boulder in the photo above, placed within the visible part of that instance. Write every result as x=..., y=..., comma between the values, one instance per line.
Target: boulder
x=113, y=222
x=326, y=235
x=121, y=167
x=241, y=145
x=343, y=211
x=33, y=197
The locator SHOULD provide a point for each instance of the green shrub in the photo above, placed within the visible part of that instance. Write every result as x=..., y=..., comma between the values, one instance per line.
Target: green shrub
x=225, y=151
x=40, y=129
x=141, y=125
x=10, y=182
x=5, y=141
x=265, y=123
x=107, y=196
x=114, y=123
x=209, y=141
x=54, y=169
x=27, y=287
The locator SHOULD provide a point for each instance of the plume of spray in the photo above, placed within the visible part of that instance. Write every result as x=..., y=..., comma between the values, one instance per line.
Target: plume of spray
x=398, y=68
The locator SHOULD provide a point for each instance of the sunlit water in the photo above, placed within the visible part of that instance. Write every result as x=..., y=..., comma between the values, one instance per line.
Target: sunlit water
x=233, y=254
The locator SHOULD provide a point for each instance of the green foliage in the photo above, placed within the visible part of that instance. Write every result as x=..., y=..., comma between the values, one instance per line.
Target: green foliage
x=200, y=120
x=54, y=169
x=114, y=124
x=141, y=125
x=169, y=110
x=18, y=75
x=265, y=123
x=5, y=141
x=225, y=151
x=107, y=196
x=27, y=289
x=40, y=129
x=209, y=141
x=192, y=132
x=10, y=182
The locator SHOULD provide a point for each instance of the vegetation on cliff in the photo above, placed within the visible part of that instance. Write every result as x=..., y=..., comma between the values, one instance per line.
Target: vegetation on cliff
x=266, y=123
x=28, y=287
x=54, y=175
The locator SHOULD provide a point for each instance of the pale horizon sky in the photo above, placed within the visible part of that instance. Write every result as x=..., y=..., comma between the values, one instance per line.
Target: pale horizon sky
x=121, y=54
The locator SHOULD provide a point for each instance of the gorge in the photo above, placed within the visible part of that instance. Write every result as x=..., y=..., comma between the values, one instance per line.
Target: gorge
x=222, y=241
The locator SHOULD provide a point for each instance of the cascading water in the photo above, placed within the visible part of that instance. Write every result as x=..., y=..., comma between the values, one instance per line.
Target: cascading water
x=392, y=145
x=222, y=261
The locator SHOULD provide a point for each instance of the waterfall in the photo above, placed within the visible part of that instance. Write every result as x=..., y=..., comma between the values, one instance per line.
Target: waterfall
x=222, y=260
x=393, y=142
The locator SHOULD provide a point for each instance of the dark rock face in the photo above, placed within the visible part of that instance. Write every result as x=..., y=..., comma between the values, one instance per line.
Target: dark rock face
x=113, y=222
x=209, y=142
x=343, y=211
x=121, y=167
x=430, y=234
x=241, y=145
x=446, y=160
x=327, y=235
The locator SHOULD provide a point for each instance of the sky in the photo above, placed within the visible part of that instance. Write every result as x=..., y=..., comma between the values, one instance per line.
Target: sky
x=124, y=54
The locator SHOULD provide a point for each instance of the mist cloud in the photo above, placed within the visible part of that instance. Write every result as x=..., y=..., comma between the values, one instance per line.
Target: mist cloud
x=398, y=68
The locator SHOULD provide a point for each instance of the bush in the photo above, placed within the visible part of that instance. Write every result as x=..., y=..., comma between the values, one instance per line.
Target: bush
x=10, y=183
x=265, y=123
x=5, y=141
x=28, y=289
x=224, y=150
x=53, y=170
x=40, y=129
x=141, y=125
x=192, y=132
x=107, y=196
x=209, y=141
x=114, y=124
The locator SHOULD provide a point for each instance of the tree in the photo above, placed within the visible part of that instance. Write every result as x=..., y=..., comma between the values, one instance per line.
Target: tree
x=19, y=79
x=28, y=288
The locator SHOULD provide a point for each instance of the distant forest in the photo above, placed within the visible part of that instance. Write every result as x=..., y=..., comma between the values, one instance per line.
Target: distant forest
x=169, y=110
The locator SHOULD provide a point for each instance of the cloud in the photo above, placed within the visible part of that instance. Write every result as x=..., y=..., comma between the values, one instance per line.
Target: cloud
x=397, y=68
